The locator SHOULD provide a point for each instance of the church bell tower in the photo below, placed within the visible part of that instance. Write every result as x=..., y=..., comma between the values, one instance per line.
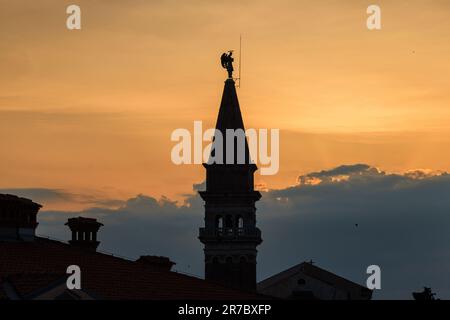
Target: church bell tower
x=230, y=235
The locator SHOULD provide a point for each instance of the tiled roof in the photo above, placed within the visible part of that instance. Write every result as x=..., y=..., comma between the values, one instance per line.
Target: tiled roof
x=105, y=276
x=28, y=283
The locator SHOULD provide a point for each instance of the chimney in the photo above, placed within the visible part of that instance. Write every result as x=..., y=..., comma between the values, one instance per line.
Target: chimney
x=156, y=263
x=17, y=218
x=84, y=232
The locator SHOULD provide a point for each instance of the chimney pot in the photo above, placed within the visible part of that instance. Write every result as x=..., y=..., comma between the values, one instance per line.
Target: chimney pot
x=84, y=232
x=156, y=262
x=17, y=218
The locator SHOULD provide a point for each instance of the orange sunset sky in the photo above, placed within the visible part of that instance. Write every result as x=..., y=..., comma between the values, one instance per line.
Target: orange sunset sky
x=91, y=111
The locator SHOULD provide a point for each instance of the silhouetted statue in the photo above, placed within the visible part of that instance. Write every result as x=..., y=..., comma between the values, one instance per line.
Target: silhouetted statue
x=227, y=62
x=426, y=294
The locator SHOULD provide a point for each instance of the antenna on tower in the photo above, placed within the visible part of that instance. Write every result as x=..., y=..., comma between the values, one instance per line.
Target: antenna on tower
x=226, y=60
x=240, y=59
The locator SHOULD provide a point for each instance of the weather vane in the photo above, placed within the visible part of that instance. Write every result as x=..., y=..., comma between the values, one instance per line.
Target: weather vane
x=226, y=60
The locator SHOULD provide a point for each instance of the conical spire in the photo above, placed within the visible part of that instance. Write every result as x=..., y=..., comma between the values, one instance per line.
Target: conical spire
x=229, y=113
x=230, y=117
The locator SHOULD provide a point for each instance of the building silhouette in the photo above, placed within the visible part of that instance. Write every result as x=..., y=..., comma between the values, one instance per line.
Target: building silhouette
x=230, y=234
x=306, y=281
x=34, y=268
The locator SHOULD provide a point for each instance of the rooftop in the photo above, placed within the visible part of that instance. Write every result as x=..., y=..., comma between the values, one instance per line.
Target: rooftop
x=32, y=266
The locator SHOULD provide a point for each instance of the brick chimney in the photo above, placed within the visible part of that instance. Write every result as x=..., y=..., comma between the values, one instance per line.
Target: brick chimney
x=17, y=218
x=84, y=232
x=156, y=263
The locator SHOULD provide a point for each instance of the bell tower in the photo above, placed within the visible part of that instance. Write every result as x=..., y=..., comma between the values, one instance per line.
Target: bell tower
x=230, y=235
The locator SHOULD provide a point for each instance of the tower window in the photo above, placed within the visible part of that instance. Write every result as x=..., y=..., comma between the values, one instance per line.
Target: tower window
x=219, y=224
x=240, y=225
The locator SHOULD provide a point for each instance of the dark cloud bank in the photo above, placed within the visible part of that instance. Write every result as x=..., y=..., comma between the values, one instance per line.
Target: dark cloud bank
x=345, y=219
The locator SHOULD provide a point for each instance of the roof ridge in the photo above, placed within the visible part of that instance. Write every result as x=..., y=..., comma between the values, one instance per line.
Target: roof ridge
x=330, y=274
x=99, y=252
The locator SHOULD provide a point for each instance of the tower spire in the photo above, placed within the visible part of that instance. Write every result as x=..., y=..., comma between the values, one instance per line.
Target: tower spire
x=230, y=234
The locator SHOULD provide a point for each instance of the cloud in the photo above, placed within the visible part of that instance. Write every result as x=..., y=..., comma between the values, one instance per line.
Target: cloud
x=402, y=226
x=340, y=173
x=199, y=186
x=142, y=225
x=48, y=196
x=397, y=221
x=39, y=194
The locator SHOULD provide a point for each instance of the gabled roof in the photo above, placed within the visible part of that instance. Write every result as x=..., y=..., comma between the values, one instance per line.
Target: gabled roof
x=103, y=275
x=315, y=272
